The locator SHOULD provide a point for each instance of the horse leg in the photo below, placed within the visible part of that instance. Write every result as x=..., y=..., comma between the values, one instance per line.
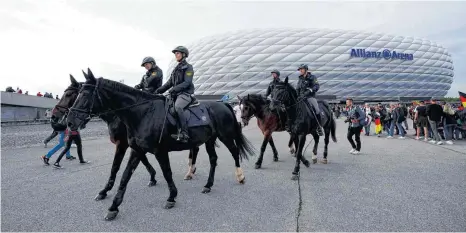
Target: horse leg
x=120, y=151
x=150, y=169
x=326, y=140
x=314, y=150
x=230, y=144
x=164, y=162
x=299, y=153
x=264, y=145
x=192, y=163
x=291, y=146
x=210, y=148
x=275, y=152
x=132, y=165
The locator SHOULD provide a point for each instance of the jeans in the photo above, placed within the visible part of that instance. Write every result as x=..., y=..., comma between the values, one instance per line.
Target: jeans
x=61, y=143
x=435, y=134
x=448, y=132
x=367, y=129
x=401, y=130
x=77, y=141
x=392, y=128
x=356, y=131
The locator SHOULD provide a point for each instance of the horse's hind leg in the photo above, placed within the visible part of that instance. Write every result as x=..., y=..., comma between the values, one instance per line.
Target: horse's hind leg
x=314, y=150
x=192, y=163
x=210, y=148
x=230, y=144
x=132, y=165
x=326, y=140
x=150, y=169
x=265, y=141
x=121, y=147
x=274, y=150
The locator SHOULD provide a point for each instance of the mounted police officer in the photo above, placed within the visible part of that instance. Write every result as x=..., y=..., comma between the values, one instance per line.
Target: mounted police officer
x=276, y=79
x=181, y=81
x=307, y=88
x=152, y=80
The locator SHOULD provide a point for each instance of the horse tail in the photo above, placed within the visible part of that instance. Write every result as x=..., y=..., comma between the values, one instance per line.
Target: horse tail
x=333, y=127
x=245, y=147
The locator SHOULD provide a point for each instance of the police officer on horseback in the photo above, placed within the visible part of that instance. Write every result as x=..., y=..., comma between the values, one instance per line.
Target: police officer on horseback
x=307, y=88
x=276, y=79
x=181, y=82
x=152, y=80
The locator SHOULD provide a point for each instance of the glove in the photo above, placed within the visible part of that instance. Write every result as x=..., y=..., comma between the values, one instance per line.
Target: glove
x=137, y=87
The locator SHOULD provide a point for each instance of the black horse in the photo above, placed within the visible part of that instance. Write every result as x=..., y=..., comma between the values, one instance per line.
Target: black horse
x=304, y=122
x=268, y=120
x=118, y=136
x=116, y=130
x=149, y=124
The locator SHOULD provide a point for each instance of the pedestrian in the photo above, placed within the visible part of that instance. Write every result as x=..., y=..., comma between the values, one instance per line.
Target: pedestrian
x=61, y=142
x=434, y=115
x=70, y=137
x=449, y=123
x=356, y=118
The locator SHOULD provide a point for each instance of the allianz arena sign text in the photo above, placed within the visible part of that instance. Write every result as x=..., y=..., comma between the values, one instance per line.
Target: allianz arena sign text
x=386, y=54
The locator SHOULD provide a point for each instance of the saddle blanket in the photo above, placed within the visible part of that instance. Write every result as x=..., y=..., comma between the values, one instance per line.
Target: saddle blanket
x=195, y=116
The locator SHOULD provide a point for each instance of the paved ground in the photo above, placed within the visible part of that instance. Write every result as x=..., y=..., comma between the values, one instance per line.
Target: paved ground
x=394, y=185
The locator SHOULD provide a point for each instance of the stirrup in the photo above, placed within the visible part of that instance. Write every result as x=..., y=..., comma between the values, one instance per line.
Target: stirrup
x=320, y=131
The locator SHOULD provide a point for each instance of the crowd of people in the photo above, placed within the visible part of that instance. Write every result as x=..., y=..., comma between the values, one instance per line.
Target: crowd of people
x=433, y=121
x=39, y=94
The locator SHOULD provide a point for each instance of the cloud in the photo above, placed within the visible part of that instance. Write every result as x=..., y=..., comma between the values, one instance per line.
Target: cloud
x=111, y=37
x=55, y=40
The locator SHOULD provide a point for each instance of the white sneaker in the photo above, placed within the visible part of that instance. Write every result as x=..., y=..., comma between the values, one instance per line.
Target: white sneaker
x=449, y=142
x=351, y=151
x=389, y=137
x=426, y=140
x=432, y=141
x=355, y=152
x=416, y=138
x=401, y=137
x=440, y=143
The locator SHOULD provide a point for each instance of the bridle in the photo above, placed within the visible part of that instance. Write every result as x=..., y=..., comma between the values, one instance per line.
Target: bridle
x=63, y=109
x=88, y=111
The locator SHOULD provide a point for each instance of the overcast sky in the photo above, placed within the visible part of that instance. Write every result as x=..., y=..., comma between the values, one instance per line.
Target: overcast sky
x=43, y=41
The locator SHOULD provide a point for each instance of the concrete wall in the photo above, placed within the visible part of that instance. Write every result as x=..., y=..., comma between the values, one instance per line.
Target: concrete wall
x=15, y=99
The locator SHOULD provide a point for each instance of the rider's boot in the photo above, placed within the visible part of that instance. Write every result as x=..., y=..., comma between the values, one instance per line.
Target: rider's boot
x=320, y=130
x=182, y=129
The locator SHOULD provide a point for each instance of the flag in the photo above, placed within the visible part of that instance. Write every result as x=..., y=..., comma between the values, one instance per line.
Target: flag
x=378, y=126
x=462, y=98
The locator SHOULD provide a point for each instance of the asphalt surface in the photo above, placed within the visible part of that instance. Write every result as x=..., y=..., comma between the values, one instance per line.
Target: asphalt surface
x=394, y=185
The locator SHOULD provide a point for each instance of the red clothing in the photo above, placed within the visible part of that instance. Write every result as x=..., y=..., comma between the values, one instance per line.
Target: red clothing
x=39, y=94
x=67, y=132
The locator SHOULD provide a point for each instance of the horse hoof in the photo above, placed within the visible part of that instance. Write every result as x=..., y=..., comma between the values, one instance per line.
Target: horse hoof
x=242, y=181
x=275, y=159
x=111, y=215
x=258, y=166
x=306, y=163
x=294, y=177
x=188, y=177
x=100, y=197
x=152, y=183
x=324, y=161
x=206, y=190
x=169, y=205
x=314, y=161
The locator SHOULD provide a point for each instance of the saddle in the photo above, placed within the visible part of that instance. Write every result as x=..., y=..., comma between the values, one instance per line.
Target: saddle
x=323, y=107
x=195, y=114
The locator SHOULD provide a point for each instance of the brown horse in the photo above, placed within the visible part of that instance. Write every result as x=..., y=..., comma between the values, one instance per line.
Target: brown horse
x=268, y=120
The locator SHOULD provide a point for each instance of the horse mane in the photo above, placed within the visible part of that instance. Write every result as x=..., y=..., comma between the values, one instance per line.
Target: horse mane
x=255, y=99
x=121, y=87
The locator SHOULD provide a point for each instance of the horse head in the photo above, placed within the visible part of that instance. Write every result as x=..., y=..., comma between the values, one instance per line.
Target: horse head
x=61, y=109
x=283, y=95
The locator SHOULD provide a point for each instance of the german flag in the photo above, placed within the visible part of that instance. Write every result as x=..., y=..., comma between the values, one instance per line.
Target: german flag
x=378, y=126
x=462, y=98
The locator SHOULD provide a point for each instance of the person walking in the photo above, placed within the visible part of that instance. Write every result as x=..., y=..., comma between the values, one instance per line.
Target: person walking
x=70, y=137
x=61, y=142
x=356, y=121
x=434, y=115
x=449, y=123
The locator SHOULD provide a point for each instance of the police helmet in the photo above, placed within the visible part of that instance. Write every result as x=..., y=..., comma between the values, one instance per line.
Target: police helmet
x=276, y=72
x=148, y=60
x=181, y=49
x=303, y=66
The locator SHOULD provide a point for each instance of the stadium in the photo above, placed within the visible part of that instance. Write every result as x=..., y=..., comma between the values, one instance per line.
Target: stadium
x=362, y=65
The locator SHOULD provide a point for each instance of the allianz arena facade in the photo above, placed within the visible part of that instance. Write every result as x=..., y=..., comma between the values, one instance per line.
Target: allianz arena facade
x=362, y=65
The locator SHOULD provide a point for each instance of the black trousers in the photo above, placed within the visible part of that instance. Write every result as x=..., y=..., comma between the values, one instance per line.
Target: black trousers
x=54, y=134
x=356, y=131
x=77, y=141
